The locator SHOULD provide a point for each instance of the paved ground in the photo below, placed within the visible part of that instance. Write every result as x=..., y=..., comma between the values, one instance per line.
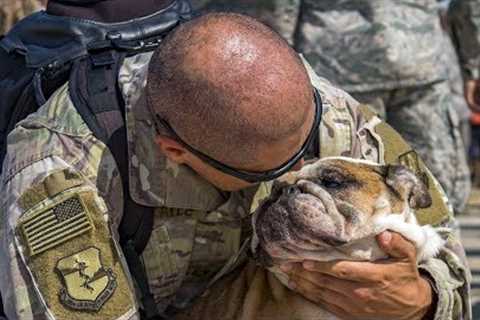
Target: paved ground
x=470, y=232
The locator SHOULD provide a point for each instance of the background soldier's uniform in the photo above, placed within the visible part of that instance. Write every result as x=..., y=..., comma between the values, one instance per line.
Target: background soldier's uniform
x=61, y=203
x=455, y=81
x=464, y=17
x=454, y=74
x=387, y=54
x=464, y=21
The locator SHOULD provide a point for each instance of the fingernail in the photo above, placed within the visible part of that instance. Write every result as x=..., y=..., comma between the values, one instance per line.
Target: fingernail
x=386, y=237
x=286, y=267
x=309, y=265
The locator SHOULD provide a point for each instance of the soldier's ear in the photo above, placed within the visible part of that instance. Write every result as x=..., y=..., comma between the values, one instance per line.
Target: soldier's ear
x=172, y=149
x=408, y=186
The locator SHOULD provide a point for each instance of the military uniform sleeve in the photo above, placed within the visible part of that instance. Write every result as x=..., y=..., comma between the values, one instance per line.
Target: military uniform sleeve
x=58, y=257
x=59, y=253
x=448, y=271
x=464, y=18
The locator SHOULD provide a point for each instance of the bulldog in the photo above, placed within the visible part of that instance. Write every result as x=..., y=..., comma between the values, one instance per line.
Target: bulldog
x=330, y=210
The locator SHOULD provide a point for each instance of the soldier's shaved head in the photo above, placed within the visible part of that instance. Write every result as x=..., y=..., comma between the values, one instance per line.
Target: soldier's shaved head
x=230, y=87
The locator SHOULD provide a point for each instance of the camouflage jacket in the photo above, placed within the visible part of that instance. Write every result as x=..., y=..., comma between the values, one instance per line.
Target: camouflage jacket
x=61, y=203
x=464, y=18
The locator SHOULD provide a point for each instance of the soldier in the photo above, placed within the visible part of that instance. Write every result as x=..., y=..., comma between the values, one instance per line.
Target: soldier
x=227, y=106
x=465, y=27
x=465, y=23
x=455, y=76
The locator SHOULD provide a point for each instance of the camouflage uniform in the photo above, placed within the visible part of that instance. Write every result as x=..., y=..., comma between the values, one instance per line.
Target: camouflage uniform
x=464, y=25
x=387, y=54
x=455, y=77
x=11, y=11
x=61, y=204
x=464, y=18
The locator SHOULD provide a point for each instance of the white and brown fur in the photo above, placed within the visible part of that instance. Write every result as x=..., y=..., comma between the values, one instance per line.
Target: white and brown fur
x=330, y=210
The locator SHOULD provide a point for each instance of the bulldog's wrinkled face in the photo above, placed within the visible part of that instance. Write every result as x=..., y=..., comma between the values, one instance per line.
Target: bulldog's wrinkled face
x=330, y=211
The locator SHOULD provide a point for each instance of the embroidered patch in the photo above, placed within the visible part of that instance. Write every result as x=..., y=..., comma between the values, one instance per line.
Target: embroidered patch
x=75, y=263
x=87, y=283
x=55, y=225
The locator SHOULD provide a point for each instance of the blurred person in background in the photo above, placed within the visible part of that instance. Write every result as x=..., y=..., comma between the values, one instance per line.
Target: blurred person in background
x=455, y=76
x=464, y=21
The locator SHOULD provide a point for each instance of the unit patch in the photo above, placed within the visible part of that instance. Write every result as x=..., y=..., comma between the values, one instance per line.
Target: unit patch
x=87, y=283
x=54, y=225
x=65, y=240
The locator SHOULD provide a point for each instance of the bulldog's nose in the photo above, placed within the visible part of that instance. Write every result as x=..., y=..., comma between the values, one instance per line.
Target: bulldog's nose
x=290, y=190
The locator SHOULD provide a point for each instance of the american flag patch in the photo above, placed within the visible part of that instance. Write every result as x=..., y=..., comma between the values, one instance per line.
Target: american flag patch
x=55, y=225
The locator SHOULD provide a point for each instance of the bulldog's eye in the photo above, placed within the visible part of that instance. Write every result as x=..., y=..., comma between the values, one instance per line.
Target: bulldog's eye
x=330, y=183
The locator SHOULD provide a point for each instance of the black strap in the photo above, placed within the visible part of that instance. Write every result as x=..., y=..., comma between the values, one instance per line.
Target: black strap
x=25, y=105
x=313, y=150
x=135, y=228
x=2, y=312
x=96, y=96
x=17, y=98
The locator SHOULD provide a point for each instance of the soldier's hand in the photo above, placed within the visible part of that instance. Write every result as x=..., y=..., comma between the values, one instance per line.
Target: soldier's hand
x=472, y=94
x=388, y=289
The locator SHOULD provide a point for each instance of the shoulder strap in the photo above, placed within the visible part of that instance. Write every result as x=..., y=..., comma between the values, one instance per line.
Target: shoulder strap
x=16, y=95
x=96, y=96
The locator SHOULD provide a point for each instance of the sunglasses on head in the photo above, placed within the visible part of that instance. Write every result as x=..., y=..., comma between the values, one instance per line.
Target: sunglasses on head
x=251, y=176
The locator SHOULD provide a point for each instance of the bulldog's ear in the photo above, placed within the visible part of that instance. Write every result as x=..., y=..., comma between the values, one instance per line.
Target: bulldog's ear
x=408, y=186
